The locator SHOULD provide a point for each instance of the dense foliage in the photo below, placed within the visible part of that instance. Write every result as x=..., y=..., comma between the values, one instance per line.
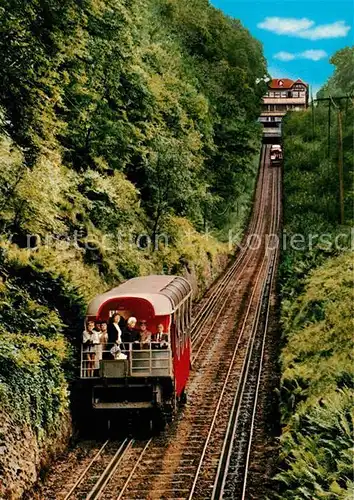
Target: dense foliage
x=317, y=299
x=311, y=187
x=162, y=90
x=317, y=385
x=342, y=81
x=128, y=132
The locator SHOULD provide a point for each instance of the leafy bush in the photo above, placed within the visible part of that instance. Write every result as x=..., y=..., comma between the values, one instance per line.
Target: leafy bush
x=317, y=386
x=317, y=447
x=33, y=388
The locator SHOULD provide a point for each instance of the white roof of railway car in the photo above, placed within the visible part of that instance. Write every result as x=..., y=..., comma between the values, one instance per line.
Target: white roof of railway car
x=163, y=292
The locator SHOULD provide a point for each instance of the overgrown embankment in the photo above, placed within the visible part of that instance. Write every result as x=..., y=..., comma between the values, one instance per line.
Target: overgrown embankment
x=317, y=273
x=129, y=146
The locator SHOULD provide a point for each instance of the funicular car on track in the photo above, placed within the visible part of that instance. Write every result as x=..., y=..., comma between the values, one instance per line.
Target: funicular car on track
x=145, y=379
x=276, y=155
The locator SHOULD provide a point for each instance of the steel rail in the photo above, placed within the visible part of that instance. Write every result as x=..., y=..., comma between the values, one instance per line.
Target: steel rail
x=211, y=428
x=238, y=273
x=237, y=270
x=211, y=303
x=133, y=470
x=84, y=473
x=246, y=363
x=106, y=475
x=243, y=497
x=221, y=477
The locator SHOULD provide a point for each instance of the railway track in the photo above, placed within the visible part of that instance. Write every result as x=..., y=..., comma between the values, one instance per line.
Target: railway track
x=231, y=479
x=100, y=469
x=231, y=474
x=205, y=453
x=217, y=299
x=212, y=300
x=93, y=480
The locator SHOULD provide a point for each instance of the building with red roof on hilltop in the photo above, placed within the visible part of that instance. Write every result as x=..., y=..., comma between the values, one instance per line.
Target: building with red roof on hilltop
x=283, y=95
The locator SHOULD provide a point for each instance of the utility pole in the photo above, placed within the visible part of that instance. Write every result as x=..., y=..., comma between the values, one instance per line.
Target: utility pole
x=329, y=129
x=340, y=166
x=333, y=100
x=313, y=116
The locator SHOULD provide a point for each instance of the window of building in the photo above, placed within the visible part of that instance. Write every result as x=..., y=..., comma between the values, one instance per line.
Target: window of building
x=276, y=94
x=302, y=94
x=271, y=94
x=283, y=94
x=295, y=94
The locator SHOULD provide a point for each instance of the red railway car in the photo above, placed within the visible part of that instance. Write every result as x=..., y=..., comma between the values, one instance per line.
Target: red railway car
x=276, y=155
x=143, y=378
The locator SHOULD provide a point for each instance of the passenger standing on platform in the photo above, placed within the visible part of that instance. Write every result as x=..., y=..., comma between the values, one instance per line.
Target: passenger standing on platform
x=131, y=335
x=90, y=341
x=114, y=331
x=145, y=335
x=161, y=337
x=104, y=339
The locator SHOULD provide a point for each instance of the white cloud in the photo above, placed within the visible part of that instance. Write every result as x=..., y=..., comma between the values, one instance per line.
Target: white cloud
x=284, y=56
x=335, y=30
x=313, y=55
x=304, y=28
x=285, y=25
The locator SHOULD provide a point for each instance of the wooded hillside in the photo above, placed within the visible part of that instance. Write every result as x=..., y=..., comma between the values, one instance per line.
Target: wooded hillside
x=317, y=279
x=128, y=130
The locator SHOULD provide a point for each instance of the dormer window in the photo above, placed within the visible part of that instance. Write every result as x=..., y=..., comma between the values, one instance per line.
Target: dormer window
x=280, y=83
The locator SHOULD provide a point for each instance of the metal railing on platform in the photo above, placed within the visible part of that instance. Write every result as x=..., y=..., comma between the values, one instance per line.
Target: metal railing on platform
x=134, y=359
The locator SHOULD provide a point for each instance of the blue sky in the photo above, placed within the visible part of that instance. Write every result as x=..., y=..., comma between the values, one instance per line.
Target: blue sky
x=299, y=37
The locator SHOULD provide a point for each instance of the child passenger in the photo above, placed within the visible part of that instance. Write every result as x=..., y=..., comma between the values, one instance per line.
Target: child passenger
x=104, y=339
x=91, y=343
